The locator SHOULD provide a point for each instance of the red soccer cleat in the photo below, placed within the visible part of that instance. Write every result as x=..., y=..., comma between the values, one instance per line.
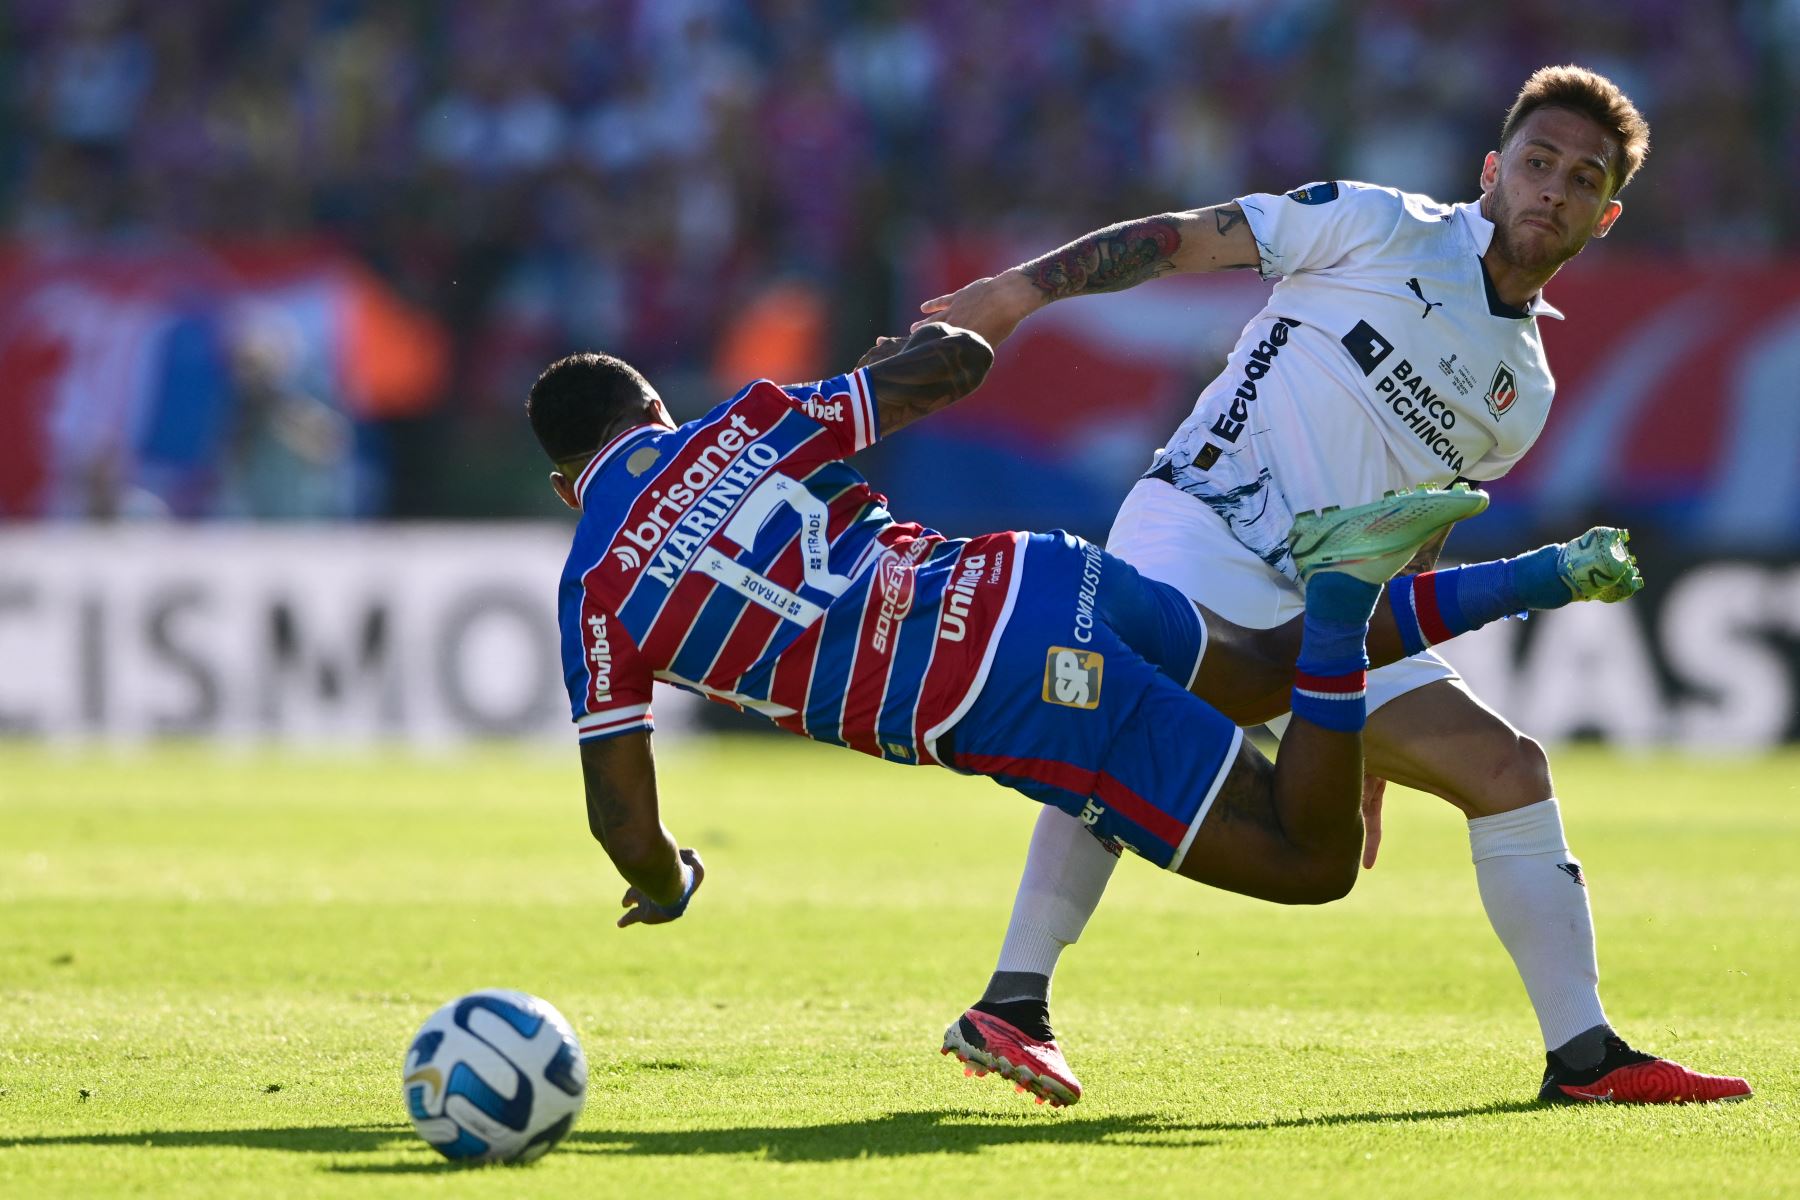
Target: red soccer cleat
x=987, y=1043
x=1625, y=1076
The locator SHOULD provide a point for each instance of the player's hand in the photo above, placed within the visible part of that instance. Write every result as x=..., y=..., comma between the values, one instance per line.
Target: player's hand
x=1374, y=786
x=884, y=347
x=642, y=910
x=992, y=307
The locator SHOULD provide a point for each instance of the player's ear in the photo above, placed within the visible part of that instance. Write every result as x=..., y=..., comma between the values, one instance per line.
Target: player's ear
x=1611, y=214
x=565, y=491
x=657, y=411
x=1490, y=171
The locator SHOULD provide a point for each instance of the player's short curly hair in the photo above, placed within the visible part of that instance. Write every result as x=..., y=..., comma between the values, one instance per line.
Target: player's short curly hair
x=1594, y=96
x=579, y=400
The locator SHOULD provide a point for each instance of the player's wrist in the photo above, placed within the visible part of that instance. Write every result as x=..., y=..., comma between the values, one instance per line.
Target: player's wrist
x=1023, y=292
x=690, y=882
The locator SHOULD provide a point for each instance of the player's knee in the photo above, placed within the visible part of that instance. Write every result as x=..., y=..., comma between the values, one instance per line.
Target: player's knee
x=1533, y=765
x=1518, y=775
x=1494, y=774
x=1327, y=878
x=1314, y=874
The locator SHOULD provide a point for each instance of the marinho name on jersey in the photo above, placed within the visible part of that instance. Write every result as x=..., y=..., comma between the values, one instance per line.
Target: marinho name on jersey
x=1403, y=389
x=681, y=519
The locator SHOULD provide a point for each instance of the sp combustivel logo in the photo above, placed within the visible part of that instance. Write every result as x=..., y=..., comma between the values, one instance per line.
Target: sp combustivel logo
x=1072, y=677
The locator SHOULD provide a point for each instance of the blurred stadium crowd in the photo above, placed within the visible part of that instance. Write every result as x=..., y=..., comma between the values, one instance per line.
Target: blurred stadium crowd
x=719, y=188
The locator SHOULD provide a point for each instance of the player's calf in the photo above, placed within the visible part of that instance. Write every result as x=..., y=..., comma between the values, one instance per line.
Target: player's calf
x=1318, y=779
x=1436, y=606
x=1294, y=835
x=1247, y=672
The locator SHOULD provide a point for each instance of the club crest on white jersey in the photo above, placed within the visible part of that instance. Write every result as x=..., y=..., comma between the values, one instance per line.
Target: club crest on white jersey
x=1364, y=371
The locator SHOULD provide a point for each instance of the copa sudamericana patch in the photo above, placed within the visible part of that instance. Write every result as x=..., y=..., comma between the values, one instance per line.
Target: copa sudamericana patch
x=1315, y=193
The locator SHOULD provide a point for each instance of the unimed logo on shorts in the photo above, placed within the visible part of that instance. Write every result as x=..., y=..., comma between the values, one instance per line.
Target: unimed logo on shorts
x=1072, y=677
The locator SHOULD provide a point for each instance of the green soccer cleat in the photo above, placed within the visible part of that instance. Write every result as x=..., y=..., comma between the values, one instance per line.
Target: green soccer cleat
x=1373, y=541
x=1596, y=566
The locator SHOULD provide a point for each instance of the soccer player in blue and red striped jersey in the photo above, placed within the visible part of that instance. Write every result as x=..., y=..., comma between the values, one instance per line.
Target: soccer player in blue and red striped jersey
x=740, y=557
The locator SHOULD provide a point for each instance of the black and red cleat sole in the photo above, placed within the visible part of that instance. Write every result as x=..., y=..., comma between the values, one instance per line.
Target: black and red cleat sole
x=974, y=1048
x=1658, y=1081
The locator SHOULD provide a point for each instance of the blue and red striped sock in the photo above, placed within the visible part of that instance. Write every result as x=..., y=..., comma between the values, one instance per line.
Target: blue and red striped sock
x=1437, y=605
x=1331, y=677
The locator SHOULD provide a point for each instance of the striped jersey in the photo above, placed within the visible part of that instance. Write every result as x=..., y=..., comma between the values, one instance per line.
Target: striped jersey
x=741, y=558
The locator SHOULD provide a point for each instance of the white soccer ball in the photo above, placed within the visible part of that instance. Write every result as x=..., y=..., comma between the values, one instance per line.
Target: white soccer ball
x=495, y=1076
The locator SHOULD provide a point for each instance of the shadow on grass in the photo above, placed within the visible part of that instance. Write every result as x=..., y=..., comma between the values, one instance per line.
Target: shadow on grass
x=300, y=1139
x=890, y=1135
x=893, y=1135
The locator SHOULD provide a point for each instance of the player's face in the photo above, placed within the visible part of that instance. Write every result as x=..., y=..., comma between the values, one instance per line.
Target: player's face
x=1550, y=189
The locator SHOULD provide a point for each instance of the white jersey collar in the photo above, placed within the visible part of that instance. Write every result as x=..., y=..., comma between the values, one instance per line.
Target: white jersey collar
x=1481, y=233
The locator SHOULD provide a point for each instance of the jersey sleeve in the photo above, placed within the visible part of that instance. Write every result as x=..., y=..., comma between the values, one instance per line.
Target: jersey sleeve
x=609, y=681
x=1495, y=464
x=843, y=404
x=1319, y=226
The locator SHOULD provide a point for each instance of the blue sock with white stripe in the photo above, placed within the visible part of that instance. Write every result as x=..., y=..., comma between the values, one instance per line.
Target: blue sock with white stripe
x=1438, y=605
x=1331, y=677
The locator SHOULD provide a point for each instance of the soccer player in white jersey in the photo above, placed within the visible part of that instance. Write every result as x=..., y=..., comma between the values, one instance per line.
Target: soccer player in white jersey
x=1400, y=346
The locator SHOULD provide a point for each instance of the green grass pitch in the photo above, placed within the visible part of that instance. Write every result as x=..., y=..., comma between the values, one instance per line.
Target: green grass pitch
x=210, y=967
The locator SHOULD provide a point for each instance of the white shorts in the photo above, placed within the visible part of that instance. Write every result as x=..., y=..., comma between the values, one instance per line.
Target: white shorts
x=1172, y=537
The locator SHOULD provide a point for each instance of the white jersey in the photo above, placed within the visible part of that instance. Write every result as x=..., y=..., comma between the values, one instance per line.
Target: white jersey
x=1382, y=360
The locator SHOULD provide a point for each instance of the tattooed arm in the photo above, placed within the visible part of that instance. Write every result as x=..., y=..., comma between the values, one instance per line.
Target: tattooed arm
x=1107, y=260
x=933, y=368
x=620, y=778
x=1123, y=256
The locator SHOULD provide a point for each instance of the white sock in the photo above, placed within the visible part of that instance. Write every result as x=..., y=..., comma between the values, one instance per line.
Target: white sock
x=1537, y=901
x=1066, y=871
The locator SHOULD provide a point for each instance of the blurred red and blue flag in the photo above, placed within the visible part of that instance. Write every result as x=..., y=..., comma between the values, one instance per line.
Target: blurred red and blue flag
x=124, y=369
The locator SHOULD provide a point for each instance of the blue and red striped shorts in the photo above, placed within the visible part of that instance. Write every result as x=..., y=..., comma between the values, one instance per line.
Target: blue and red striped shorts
x=1086, y=706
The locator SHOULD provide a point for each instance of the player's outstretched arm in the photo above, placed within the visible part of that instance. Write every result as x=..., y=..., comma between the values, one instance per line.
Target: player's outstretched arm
x=1107, y=260
x=934, y=367
x=620, y=777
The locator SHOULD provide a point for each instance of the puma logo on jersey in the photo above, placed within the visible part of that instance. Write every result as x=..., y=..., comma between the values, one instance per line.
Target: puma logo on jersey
x=1420, y=293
